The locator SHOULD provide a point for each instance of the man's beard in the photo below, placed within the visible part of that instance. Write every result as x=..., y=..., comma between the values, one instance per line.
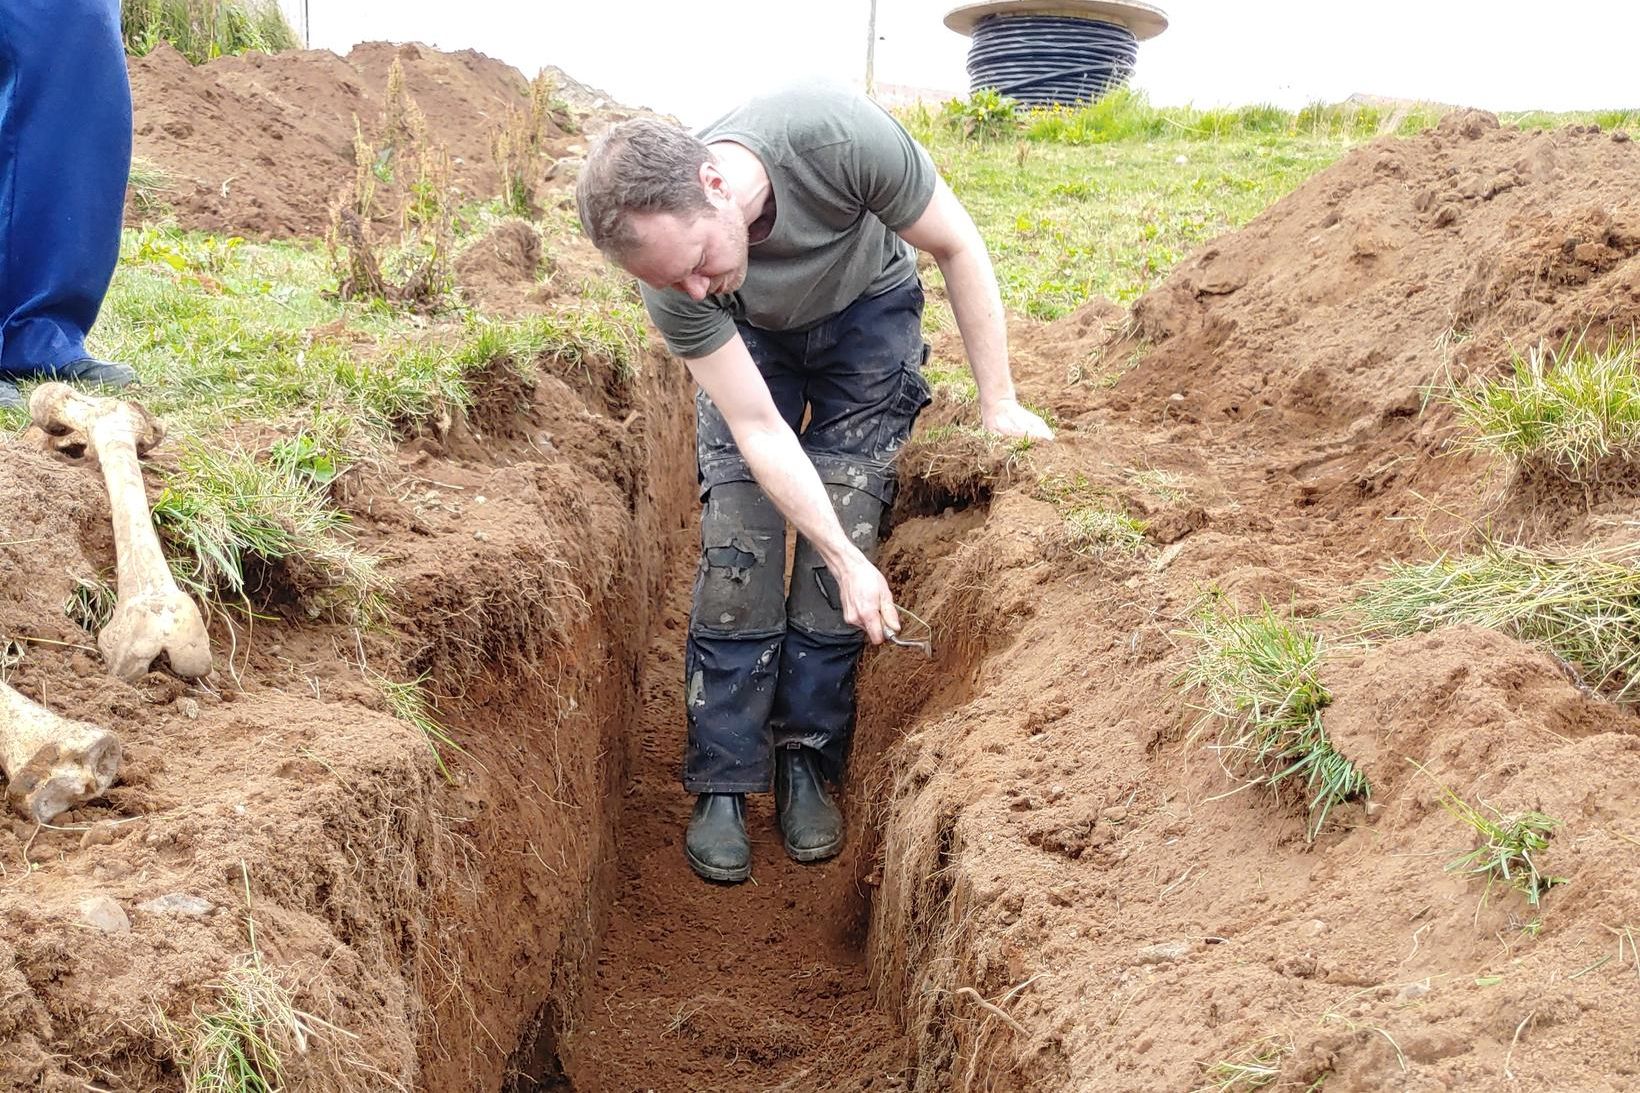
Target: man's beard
x=736, y=227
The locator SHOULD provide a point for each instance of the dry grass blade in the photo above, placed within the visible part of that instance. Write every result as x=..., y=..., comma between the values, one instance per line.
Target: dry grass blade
x=1253, y=1067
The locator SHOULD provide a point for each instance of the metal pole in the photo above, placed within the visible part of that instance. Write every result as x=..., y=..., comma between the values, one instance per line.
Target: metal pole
x=871, y=52
x=307, y=27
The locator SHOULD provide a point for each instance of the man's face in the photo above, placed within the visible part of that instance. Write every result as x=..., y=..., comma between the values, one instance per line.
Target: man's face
x=700, y=255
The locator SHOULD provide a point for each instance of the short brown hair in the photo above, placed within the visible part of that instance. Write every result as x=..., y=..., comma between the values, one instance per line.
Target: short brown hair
x=644, y=165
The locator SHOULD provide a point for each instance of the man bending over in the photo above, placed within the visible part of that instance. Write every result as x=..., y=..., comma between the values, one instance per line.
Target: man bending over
x=775, y=251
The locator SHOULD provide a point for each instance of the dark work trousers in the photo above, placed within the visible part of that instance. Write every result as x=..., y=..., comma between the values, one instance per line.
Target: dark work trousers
x=65, y=152
x=766, y=667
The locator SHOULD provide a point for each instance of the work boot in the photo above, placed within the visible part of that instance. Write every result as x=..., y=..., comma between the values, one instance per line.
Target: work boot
x=717, y=846
x=810, y=823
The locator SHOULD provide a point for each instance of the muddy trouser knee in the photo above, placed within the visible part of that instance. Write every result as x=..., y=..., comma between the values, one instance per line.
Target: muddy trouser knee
x=814, y=698
x=760, y=667
x=732, y=656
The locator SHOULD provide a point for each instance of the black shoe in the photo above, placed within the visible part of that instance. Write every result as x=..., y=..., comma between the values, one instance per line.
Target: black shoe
x=716, y=845
x=810, y=823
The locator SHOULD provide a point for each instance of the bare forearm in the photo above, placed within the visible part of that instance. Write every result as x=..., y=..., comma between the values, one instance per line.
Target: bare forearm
x=971, y=285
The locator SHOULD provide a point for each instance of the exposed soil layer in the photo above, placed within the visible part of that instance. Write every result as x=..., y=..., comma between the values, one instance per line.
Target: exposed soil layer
x=263, y=145
x=1072, y=897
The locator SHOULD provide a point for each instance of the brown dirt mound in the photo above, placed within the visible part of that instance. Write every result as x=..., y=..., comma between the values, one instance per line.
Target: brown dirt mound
x=1071, y=897
x=261, y=145
x=387, y=899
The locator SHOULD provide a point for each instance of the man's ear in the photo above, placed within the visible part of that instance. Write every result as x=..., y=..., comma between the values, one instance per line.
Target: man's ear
x=715, y=185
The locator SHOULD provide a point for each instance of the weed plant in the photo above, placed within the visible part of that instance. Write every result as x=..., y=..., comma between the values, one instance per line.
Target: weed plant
x=1509, y=843
x=202, y=30
x=1583, y=606
x=1258, y=680
x=1568, y=409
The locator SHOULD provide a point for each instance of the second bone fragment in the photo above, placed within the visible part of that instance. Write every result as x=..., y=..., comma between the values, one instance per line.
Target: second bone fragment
x=52, y=764
x=153, y=616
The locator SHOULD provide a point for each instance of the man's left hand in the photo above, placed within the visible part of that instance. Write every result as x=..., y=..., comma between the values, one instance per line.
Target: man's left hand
x=1008, y=418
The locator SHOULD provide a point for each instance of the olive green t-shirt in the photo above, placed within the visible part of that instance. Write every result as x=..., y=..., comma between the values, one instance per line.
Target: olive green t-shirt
x=846, y=176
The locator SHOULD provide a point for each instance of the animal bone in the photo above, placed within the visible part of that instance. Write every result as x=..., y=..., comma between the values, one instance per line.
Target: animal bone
x=52, y=764
x=153, y=616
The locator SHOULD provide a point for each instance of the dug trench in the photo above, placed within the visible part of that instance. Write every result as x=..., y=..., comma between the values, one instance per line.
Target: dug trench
x=1048, y=884
x=511, y=911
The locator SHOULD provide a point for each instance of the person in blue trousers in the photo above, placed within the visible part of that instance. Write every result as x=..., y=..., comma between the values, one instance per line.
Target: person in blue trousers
x=65, y=154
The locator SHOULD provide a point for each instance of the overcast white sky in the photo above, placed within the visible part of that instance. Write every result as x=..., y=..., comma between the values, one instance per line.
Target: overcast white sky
x=693, y=60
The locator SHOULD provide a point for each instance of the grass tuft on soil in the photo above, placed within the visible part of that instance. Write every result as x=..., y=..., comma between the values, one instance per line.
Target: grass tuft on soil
x=1509, y=843
x=1567, y=410
x=1253, y=1067
x=241, y=1045
x=1257, y=677
x=1095, y=529
x=409, y=702
x=230, y=519
x=1583, y=606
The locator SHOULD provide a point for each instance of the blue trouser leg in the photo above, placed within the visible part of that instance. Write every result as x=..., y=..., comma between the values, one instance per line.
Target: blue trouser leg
x=762, y=667
x=65, y=153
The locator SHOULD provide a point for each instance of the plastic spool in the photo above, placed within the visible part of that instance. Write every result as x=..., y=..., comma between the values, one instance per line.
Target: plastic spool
x=1054, y=52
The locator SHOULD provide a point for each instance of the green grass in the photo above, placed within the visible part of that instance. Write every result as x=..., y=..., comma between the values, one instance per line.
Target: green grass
x=1257, y=681
x=1106, y=199
x=202, y=30
x=1509, y=845
x=1568, y=409
x=1583, y=605
x=229, y=518
x=956, y=383
x=1064, y=223
x=240, y=1045
x=408, y=702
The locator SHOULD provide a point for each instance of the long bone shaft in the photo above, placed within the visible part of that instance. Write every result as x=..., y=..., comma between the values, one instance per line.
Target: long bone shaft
x=153, y=616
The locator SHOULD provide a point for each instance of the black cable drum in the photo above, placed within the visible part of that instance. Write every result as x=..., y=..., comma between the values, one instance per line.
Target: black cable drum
x=1050, y=60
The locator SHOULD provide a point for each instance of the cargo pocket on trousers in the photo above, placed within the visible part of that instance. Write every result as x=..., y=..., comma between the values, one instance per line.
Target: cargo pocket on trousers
x=909, y=399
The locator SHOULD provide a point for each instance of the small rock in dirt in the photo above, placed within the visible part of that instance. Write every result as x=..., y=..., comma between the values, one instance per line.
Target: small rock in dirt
x=106, y=915
x=1165, y=952
x=1414, y=991
x=1115, y=814
x=1315, y=927
x=481, y=536
x=97, y=834
x=177, y=903
x=1620, y=137
x=189, y=708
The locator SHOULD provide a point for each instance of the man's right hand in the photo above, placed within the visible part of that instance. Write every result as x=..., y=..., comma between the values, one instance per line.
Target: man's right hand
x=867, y=601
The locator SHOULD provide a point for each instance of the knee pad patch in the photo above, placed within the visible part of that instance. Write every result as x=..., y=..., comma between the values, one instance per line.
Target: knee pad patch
x=740, y=585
